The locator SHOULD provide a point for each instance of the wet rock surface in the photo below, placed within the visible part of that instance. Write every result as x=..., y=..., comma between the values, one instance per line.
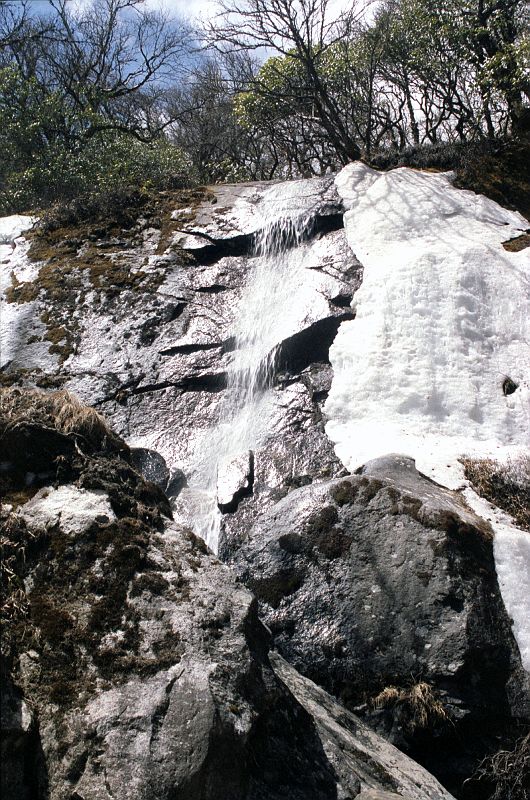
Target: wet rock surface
x=134, y=659
x=235, y=478
x=142, y=326
x=384, y=579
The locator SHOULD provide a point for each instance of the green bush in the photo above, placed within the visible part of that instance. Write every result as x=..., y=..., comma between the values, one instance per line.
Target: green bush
x=444, y=156
x=98, y=168
x=52, y=152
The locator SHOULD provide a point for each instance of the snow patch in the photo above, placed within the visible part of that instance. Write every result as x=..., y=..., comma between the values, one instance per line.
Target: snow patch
x=511, y=548
x=18, y=322
x=72, y=508
x=441, y=322
x=12, y=227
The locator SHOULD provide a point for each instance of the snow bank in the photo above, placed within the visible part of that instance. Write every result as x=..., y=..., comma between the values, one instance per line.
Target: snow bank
x=512, y=562
x=441, y=322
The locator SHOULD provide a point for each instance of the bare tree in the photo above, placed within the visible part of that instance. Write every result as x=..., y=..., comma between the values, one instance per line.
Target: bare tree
x=205, y=126
x=300, y=30
x=110, y=61
x=17, y=29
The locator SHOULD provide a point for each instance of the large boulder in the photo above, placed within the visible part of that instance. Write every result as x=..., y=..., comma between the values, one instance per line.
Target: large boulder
x=363, y=761
x=381, y=588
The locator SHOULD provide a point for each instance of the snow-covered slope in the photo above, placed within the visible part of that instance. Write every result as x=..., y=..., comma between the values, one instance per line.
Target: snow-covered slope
x=441, y=322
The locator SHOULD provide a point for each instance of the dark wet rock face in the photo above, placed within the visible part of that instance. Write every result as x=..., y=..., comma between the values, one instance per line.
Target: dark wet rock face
x=384, y=579
x=133, y=659
x=151, y=465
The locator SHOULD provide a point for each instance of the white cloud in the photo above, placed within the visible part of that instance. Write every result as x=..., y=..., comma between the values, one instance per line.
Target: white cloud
x=187, y=8
x=207, y=8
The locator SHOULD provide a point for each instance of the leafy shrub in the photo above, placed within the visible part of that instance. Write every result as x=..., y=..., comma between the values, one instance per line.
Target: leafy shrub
x=505, y=485
x=121, y=206
x=97, y=170
x=443, y=156
x=500, y=170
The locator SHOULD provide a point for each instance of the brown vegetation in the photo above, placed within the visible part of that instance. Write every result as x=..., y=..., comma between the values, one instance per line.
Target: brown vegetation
x=518, y=243
x=507, y=771
x=15, y=539
x=59, y=411
x=416, y=707
x=505, y=485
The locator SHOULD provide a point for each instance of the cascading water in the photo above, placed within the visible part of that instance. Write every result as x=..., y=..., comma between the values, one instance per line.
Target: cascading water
x=265, y=318
x=270, y=310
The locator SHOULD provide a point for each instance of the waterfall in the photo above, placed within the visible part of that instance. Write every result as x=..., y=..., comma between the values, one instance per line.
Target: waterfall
x=269, y=311
x=265, y=318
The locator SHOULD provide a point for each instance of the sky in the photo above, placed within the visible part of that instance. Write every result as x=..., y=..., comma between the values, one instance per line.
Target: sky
x=194, y=8
x=206, y=8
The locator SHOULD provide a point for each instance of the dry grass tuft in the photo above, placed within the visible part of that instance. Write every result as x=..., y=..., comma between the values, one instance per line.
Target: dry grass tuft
x=517, y=244
x=59, y=410
x=416, y=707
x=508, y=771
x=505, y=485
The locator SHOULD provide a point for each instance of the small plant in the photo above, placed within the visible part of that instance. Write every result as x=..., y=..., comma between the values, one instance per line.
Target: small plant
x=507, y=771
x=505, y=485
x=415, y=707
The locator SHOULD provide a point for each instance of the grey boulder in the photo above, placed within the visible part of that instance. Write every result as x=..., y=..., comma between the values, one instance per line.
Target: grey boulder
x=383, y=581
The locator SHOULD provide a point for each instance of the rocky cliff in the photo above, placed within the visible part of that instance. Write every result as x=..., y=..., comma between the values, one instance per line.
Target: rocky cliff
x=136, y=657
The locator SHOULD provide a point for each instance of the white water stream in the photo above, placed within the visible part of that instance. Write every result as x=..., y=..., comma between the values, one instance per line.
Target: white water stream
x=270, y=310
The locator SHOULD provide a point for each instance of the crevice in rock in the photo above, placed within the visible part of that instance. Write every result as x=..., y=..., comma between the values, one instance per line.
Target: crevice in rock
x=215, y=288
x=225, y=346
x=175, y=311
x=199, y=383
x=509, y=386
x=160, y=713
x=309, y=345
x=123, y=391
x=342, y=300
x=203, y=383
